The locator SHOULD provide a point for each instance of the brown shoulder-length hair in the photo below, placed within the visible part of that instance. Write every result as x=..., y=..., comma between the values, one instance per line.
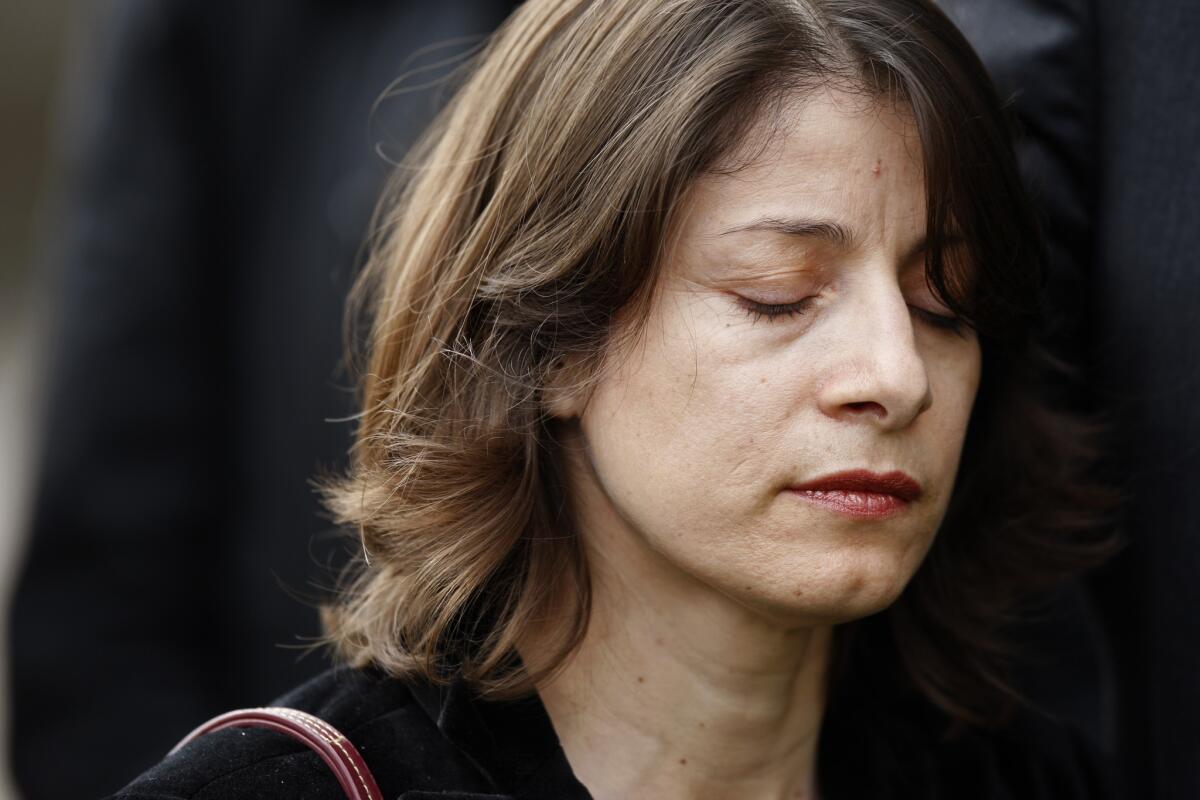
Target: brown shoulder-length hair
x=537, y=207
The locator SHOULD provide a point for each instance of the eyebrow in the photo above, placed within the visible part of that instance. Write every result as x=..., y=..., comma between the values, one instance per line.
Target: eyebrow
x=833, y=232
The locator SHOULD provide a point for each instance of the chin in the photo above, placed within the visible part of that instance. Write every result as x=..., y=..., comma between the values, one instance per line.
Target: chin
x=847, y=592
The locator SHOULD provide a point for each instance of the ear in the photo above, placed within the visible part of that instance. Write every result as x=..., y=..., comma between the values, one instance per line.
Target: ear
x=564, y=394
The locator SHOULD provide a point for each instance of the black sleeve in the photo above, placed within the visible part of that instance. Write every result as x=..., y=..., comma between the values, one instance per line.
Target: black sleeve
x=125, y=526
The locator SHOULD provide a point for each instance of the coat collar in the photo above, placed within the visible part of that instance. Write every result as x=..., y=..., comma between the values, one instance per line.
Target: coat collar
x=512, y=743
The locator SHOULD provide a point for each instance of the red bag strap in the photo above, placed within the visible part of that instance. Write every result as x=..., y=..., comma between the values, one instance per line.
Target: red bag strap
x=329, y=743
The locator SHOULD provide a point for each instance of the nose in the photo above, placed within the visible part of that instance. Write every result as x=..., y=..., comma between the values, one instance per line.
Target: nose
x=876, y=373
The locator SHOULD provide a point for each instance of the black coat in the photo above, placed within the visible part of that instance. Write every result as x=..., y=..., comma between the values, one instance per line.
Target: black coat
x=424, y=742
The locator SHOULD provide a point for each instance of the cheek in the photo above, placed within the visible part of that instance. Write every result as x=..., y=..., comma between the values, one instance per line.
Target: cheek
x=673, y=427
x=955, y=385
x=959, y=385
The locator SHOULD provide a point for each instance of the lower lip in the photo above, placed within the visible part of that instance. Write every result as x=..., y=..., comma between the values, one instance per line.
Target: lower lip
x=860, y=505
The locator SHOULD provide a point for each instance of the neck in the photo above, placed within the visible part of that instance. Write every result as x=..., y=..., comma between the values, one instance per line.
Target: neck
x=680, y=692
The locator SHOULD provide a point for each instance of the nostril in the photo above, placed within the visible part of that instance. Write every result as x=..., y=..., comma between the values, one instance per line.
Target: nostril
x=867, y=405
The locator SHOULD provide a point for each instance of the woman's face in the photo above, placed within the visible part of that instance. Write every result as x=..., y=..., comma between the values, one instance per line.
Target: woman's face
x=791, y=338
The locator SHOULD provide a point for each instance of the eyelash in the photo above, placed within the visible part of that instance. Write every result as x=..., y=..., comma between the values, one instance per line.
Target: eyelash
x=759, y=311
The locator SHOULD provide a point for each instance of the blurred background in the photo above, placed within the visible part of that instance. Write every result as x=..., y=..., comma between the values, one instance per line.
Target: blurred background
x=34, y=38
x=184, y=191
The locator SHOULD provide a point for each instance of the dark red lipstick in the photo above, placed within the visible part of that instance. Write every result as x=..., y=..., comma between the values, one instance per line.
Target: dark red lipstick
x=861, y=493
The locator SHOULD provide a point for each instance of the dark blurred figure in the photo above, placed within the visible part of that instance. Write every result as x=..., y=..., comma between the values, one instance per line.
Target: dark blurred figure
x=224, y=172
x=1109, y=96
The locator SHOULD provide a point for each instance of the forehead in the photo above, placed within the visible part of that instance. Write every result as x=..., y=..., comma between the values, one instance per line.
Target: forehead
x=833, y=154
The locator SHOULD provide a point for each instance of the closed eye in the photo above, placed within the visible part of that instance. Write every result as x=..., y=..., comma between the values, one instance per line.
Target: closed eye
x=759, y=311
x=768, y=311
x=955, y=324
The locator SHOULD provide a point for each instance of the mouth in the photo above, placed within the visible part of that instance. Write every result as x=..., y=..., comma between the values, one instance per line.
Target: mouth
x=860, y=493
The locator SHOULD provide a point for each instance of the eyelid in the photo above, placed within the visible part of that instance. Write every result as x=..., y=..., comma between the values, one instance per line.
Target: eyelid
x=758, y=310
x=948, y=322
x=772, y=296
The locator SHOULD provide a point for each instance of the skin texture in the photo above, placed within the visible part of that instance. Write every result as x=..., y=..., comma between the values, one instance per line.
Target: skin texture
x=715, y=590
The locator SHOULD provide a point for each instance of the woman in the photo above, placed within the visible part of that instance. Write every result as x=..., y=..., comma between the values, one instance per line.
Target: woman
x=702, y=452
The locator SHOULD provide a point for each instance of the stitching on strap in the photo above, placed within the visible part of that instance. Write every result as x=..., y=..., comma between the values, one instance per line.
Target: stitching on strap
x=324, y=731
x=333, y=733
x=323, y=728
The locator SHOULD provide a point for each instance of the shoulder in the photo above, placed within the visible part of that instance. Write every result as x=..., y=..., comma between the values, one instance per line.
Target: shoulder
x=380, y=715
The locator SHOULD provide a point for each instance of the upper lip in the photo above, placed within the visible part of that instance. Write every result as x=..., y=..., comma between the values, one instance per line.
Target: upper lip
x=895, y=483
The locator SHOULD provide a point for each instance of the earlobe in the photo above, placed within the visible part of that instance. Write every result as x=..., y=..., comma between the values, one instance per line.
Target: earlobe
x=564, y=393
